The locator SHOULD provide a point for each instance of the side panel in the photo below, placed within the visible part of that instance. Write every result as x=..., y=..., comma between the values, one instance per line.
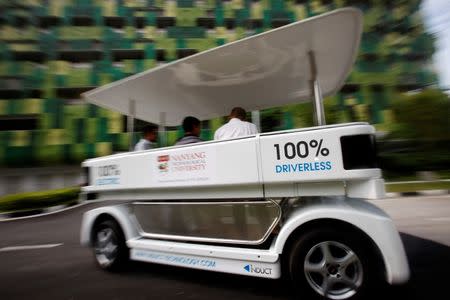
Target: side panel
x=309, y=156
x=121, y=213
x=184, y=193
x=197, y=165
x=282, y=164
x=225, y=221
x=363, y=215
x=226, y=265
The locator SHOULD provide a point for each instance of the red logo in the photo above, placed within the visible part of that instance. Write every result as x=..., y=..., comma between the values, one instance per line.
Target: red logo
x=163, y=158
x=163, y=164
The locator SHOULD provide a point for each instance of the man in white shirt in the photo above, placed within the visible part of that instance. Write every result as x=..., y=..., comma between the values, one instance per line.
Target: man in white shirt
x=149, y=137
x=236, y=127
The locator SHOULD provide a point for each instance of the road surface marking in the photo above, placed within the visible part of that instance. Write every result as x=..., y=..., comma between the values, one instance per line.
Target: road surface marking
x=29, y=247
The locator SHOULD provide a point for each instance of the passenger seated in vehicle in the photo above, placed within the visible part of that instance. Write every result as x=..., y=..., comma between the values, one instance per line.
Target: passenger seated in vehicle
x=236, y=127
x=191, y=127
x=148, y=140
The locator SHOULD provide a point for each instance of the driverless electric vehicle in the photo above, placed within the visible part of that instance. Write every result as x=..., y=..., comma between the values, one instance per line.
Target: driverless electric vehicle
x=291, y=203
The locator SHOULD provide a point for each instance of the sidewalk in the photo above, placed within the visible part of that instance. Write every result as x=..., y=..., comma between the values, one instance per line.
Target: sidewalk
x=417, y=188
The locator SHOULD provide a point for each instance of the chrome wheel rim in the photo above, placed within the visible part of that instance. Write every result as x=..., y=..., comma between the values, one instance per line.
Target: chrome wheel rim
x=333, y=270
x=106, y=247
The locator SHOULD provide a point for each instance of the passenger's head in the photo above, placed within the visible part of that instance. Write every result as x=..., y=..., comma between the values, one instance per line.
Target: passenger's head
x=191, y=125
x=238, y=112
x=150, y=133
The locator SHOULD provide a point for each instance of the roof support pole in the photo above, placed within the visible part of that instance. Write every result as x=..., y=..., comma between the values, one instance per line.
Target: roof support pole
x=256, y=119
x=162, y=130
x=130, y=122
x=316, y=92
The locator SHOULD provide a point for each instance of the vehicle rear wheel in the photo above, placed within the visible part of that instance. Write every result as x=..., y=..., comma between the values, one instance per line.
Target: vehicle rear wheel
x=110, y=249
x=326, y=263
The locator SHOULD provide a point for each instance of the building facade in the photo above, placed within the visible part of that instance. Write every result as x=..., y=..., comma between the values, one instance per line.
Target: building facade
x=53, y=50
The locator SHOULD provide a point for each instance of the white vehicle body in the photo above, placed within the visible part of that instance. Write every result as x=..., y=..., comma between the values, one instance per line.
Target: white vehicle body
x=230, y=259
x=239, y=206
x=267, y=164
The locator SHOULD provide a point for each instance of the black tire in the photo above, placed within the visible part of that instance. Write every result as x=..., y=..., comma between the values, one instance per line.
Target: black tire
x=310, y=273
x=110, y=250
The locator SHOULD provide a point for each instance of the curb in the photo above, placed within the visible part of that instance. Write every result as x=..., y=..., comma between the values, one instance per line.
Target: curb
x=418, y=193
x=34, y=213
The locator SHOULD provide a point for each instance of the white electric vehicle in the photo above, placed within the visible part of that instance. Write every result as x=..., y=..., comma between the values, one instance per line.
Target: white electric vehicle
x=289, y=203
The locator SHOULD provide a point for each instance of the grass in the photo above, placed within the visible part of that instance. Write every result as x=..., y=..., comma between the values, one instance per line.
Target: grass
x=444, y=174
x=435, y=175
x=38, y=200
x=417, y=186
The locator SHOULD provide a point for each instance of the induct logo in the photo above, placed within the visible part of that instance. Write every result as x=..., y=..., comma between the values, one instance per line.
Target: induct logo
x=258, y=270
x=163, y=163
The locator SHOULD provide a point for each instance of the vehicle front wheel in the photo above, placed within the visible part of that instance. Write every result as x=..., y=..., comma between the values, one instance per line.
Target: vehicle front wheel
x=330, y=264
x=110, y=250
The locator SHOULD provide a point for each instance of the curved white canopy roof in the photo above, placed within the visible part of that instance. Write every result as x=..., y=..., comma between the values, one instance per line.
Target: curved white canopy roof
x=266, y=70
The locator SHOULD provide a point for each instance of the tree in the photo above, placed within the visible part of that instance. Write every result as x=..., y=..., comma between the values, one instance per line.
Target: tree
x=423, y=116
x=420, y=137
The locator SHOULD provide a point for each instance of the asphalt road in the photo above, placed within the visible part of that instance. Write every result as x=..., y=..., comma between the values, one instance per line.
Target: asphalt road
x=68, y=271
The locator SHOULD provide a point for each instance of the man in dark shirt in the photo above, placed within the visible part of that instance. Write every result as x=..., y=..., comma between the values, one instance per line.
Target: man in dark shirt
x=191, y=127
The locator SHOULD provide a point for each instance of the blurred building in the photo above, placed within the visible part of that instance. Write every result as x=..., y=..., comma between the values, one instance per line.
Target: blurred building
x=53, y=50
